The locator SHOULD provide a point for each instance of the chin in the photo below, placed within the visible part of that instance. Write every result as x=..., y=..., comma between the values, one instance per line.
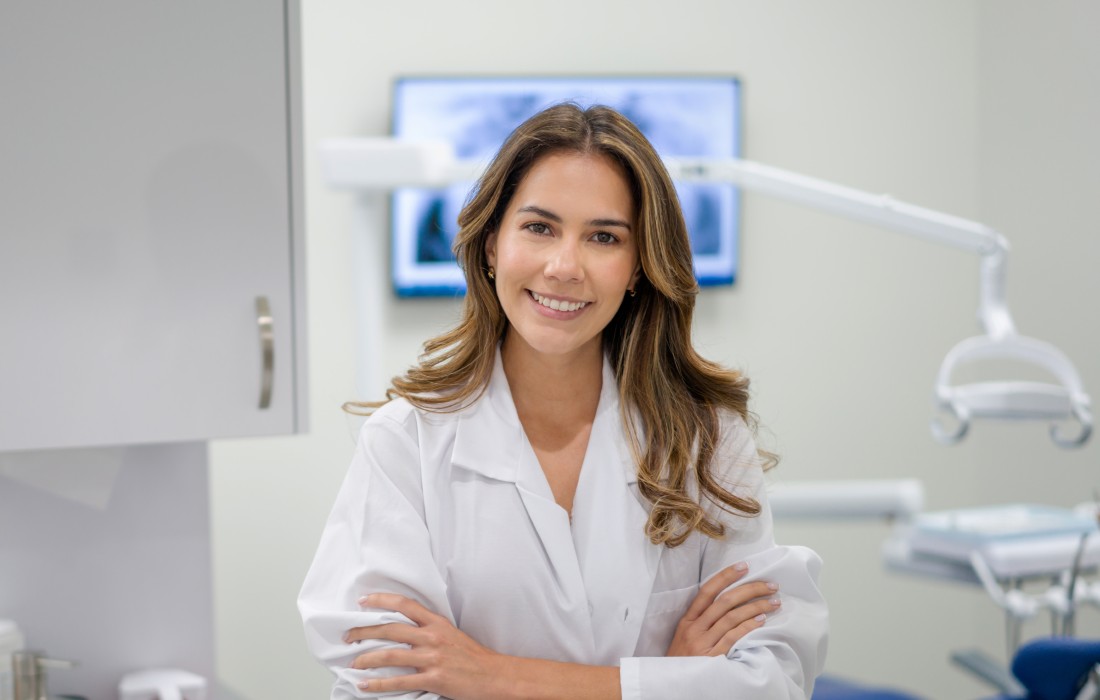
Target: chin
x=554, y=344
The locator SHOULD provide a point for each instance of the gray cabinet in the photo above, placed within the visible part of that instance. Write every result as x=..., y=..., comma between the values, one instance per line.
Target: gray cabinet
x=149, y=194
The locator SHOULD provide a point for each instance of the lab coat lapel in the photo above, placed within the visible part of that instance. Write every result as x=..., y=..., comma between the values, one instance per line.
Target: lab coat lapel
x=553, y=527
x=618, y=562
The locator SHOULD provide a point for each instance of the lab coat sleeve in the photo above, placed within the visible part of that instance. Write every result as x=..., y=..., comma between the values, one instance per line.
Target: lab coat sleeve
x=375, y=541
x=777, y=661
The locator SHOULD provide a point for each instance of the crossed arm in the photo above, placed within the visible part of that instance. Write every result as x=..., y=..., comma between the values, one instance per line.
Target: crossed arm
x=417, y=649
x=451, y=664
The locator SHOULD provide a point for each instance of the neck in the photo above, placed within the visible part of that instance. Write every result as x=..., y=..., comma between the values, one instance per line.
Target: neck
x=565, y=386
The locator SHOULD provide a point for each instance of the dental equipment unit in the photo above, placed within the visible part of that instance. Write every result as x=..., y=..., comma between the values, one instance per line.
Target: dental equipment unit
x=381, y=164
x=1028, y=559
x=1008, y=550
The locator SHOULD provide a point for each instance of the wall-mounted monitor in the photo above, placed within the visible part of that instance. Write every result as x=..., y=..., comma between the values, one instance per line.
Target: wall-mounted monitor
x=681, y=116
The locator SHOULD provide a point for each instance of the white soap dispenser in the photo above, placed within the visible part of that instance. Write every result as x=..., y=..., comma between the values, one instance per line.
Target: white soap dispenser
x=11, y=641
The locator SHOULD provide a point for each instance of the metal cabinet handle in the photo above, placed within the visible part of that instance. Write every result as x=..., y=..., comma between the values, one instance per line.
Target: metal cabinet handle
x=267, y=349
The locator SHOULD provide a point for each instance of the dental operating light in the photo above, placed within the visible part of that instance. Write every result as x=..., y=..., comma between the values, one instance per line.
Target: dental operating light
x=383, y=164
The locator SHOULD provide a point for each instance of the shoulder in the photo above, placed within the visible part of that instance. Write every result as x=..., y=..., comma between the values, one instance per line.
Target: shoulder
x=736, y=459
x=735, y=435
x=398, y=412
x=402, y=421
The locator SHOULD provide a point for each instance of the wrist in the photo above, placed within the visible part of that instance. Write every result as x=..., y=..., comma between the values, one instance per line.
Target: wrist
x=519, y=678
x=505, y=679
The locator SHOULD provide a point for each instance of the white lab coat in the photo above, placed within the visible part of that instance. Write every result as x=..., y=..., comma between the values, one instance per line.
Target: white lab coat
x=454, y=511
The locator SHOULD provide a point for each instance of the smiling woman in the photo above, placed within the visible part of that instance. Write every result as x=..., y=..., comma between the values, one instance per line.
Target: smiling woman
x=563, y=500
x=564, y=258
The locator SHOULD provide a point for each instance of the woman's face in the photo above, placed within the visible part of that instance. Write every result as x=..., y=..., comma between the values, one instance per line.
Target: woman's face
x=565, y=253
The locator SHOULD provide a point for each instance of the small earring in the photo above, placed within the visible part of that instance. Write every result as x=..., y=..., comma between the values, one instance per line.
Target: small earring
x=492, y=273
x=632, y=293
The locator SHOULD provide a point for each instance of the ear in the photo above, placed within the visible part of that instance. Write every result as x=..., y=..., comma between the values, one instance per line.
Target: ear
x=491, y=248
x=635, y=277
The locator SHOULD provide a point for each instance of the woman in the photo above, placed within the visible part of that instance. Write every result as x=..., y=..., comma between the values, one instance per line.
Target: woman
x=558, y=501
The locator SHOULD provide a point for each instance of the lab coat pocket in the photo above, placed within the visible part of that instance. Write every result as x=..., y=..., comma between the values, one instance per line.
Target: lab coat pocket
x=662, y=613
x=676, y=600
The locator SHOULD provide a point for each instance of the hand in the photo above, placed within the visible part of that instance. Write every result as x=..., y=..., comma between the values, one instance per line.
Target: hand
x=713, y=623
x=448, y=662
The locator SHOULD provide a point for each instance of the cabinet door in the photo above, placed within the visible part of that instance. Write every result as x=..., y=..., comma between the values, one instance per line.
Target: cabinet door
x=146, y=201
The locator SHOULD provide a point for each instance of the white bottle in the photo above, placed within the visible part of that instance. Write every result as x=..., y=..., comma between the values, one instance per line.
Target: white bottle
x=11, y=641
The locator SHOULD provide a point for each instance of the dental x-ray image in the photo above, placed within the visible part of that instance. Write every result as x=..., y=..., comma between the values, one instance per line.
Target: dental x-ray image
x=681, y=116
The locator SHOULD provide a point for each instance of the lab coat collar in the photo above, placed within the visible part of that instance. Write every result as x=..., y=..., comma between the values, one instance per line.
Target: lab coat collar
x=489, y=437
x=495, y=415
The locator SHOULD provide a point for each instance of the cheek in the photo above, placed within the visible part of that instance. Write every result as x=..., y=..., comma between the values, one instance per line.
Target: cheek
x=629, y=269
x=513, y=262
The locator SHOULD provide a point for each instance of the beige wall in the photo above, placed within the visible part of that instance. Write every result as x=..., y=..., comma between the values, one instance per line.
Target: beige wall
x=983, y=109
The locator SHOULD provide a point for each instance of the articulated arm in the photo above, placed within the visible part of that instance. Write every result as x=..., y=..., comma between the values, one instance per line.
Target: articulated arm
x=381, y=164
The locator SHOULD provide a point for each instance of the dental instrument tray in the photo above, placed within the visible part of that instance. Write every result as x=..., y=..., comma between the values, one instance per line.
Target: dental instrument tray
x=1016, y=539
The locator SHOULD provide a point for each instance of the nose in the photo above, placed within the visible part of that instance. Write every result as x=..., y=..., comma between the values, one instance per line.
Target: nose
x=565, y=262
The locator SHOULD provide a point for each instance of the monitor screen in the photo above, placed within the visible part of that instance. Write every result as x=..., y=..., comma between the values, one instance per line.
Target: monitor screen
x=681, y=116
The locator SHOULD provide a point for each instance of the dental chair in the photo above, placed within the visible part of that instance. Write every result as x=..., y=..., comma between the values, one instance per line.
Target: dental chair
x=1050, y=668
x=831, y=688
x=1055, y=668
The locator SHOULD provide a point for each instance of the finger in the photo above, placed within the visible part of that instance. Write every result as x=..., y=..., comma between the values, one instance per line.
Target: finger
x=735, y=597
x=394, y=632
x=713, y=586
x=393, y=683
x=725, y=578
x=736, y=617
x=399, y=603
x=723, y=646
x=382, y=658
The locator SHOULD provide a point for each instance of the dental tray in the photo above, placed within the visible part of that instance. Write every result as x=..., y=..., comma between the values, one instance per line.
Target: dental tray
x=953, y=534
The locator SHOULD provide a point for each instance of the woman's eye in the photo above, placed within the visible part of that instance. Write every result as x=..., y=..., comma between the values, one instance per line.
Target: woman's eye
x=605, y=237
x=538, y=228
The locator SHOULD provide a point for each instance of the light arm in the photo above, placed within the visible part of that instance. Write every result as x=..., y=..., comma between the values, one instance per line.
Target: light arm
x=880, y=210
x=382, y=164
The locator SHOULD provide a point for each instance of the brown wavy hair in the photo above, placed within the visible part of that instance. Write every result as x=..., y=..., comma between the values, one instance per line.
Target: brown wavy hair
x=671, y=398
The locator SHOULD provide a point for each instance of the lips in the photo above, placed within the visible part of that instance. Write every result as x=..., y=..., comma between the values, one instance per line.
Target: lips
x=557, y=304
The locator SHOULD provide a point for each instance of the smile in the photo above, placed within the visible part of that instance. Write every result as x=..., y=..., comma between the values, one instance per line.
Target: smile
x=556, y=304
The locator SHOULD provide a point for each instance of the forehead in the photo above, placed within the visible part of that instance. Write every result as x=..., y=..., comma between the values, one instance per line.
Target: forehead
x=578, y=181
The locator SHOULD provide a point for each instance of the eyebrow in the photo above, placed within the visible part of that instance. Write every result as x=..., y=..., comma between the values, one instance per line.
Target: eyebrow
x=531, y=209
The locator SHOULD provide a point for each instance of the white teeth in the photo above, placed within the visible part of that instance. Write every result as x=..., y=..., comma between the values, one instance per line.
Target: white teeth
x=557, y=305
